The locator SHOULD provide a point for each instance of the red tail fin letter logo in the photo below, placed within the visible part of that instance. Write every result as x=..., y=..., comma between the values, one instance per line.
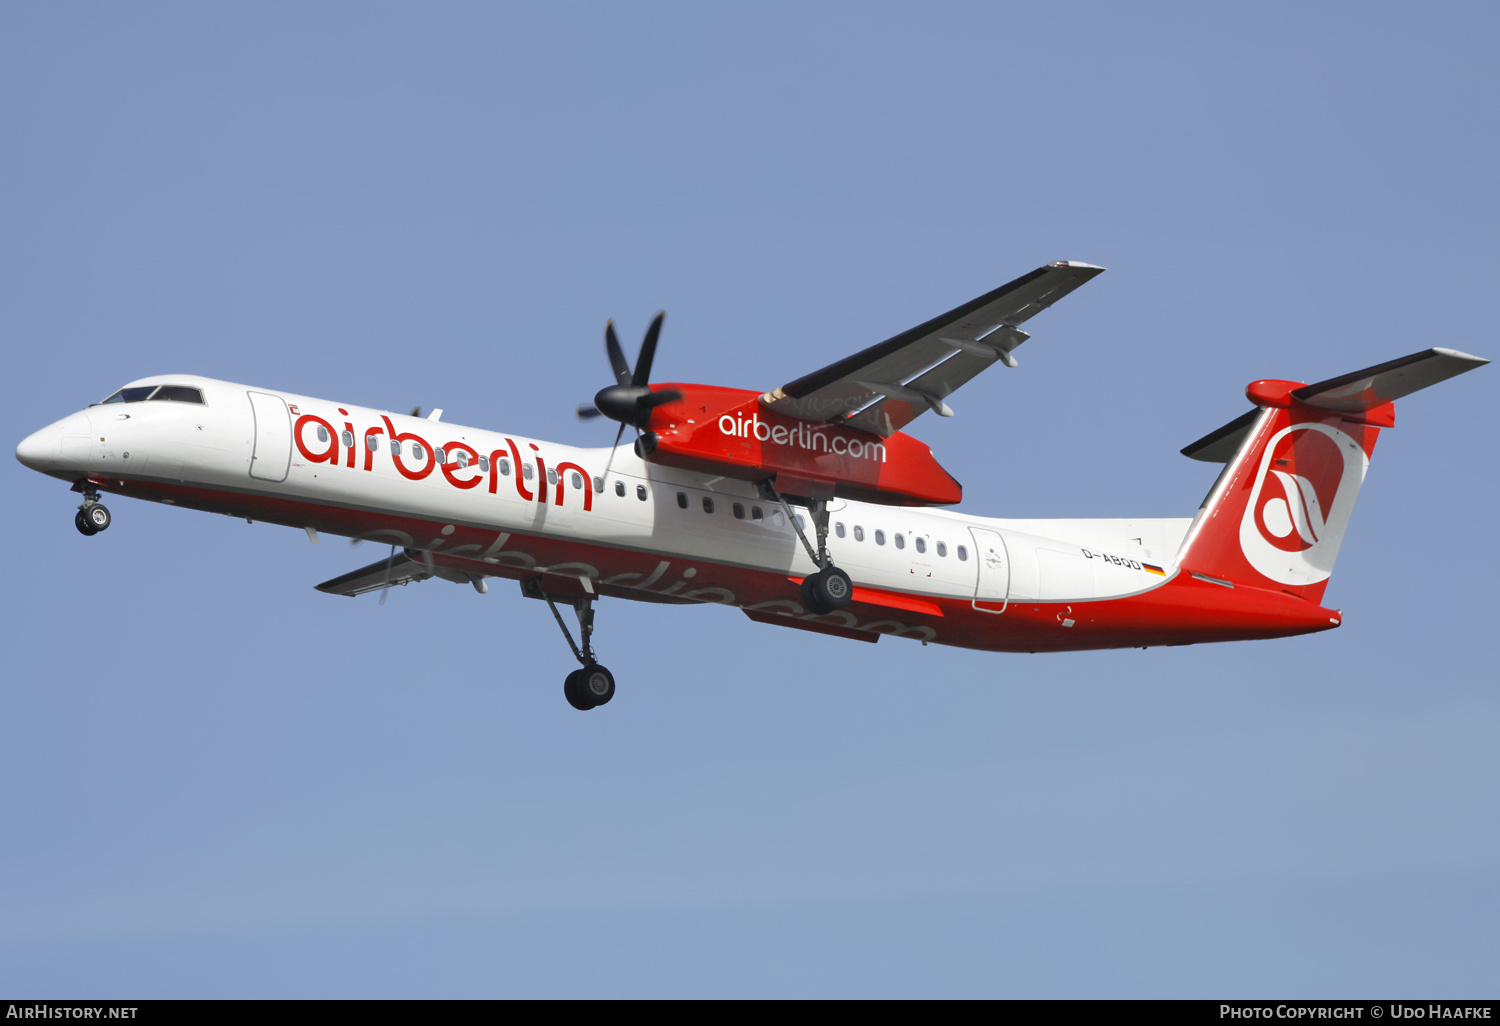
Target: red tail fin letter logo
x=1303, y=495
x=1291, y=510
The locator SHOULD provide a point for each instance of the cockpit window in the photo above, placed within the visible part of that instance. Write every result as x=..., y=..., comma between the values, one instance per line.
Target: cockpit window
x=178, y=394
x=131, y=395
x=166, y=393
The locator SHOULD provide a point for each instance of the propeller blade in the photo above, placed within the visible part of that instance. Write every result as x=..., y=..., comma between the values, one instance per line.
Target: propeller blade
x=655, y=399
x=648, y=351
x=385, y=587
x=616, y=354
x=612, y=450
x=588, y=412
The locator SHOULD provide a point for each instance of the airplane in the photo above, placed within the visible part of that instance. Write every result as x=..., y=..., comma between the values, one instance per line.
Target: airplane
x=807, y=506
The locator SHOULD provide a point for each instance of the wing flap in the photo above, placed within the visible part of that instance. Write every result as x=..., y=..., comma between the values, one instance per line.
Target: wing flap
x=781, y=620
x=402, y=570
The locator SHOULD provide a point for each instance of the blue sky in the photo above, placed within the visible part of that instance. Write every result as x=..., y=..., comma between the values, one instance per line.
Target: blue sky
x=218, y=782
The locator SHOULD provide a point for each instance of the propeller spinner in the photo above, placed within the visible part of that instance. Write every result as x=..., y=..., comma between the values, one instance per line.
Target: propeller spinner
x=630, y=401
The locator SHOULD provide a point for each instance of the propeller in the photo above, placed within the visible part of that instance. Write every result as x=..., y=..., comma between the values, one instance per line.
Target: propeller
x=385, y=587
x=630, y=400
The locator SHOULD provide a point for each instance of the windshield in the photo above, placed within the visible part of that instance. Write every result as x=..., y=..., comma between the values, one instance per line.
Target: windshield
x=131, y=395
x=162, y=393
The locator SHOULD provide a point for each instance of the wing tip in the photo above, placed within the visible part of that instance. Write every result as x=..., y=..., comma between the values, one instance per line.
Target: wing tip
x=1477, y=361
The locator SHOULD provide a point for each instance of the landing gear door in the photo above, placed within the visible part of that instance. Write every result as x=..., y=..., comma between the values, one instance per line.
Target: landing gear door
x=272, y=456
x=992, y=589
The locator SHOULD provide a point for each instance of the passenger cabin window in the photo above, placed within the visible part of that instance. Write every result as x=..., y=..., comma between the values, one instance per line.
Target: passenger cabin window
x=800, y=522
x=347, y=437
x=838, y=528
x=682, y=500
x=778, y=518
x=756, y=514
x=322, y=434
x=461, y=458
x=528, y=471
x=708, y=504
x=942, y=548
x=372, y=442
x=921, y=544
x=900, y=540
x=599, y=484
x=738, y=509
x=184, y=394
x=963, y=553
x=577, y=483
x=879, y=537
x=441, y=455
x=859, y=533
x=484, y=464
x=551, y=476
x=504, y=466
x=640, y=492
x=620, y=489
x=417, y=452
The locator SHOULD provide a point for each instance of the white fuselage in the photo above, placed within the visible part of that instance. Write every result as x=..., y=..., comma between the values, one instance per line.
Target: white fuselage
x=494, y=495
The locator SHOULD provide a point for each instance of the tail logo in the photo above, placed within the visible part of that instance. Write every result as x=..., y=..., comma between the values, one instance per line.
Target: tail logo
x=1291, y=509
x=1303, y=494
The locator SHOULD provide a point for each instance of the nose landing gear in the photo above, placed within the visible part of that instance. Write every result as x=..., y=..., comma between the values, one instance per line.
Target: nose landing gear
x=92, y=517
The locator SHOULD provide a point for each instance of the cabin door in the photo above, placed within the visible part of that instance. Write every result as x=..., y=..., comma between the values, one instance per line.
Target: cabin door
x=272, y=455
x=992, y=588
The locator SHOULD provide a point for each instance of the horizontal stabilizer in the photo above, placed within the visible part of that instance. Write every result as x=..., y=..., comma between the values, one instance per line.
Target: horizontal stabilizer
x=401, y=569
x=1353, y=394
x=1219, y=446
x=1375, y=386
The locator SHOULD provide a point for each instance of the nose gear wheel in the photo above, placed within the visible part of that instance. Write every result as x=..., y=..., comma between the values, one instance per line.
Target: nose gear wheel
x=92, y=516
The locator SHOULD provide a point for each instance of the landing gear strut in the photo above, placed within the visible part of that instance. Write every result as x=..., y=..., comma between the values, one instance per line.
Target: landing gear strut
x=592, y=685
x=92, y=517
x=829, y=588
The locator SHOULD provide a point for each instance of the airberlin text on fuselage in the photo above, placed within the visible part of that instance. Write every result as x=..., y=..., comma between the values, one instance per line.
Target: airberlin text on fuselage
x=802, y=435
x=343, y=448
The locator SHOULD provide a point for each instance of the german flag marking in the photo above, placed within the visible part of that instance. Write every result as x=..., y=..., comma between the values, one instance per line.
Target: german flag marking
x=1158, y=571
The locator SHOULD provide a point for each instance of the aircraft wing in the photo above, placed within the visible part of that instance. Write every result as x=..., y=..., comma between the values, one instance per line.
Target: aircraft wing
x=885, y=387
x=400, y=569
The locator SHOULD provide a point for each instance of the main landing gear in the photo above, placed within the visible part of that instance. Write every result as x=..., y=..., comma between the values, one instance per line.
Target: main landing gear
x=829, y=588
x=91, y=517
x=591, y=685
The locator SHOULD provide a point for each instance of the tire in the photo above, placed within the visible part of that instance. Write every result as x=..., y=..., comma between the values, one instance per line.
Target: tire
x=573, y=691
x=597, y=685
x=827, y=590
x=97, y=516
x=84, y=527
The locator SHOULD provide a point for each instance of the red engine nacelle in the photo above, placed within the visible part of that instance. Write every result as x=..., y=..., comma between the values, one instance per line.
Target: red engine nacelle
x=726, y=431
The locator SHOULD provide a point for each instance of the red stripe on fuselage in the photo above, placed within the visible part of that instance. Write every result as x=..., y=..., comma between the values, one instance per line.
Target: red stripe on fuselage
x=1178, y=611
